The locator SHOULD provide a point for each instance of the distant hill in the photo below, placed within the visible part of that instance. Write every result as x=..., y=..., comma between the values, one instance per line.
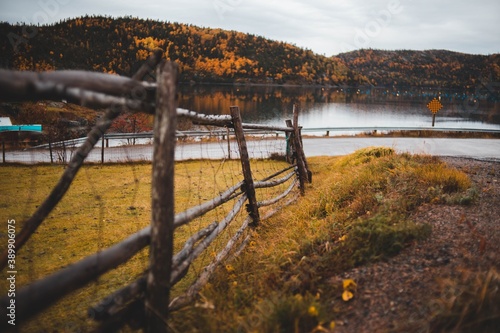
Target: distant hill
x=434, y=68
x=120, y=45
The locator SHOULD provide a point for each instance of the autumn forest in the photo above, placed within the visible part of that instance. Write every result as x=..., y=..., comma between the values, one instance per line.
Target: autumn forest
x=119, y=45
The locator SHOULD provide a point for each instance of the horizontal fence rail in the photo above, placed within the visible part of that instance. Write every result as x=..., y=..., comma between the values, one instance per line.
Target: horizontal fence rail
x=149, y=295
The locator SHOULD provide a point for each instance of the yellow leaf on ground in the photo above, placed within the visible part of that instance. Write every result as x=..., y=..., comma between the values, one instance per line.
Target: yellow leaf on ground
x=313, y=312
x=348, y=283
x=347, y=295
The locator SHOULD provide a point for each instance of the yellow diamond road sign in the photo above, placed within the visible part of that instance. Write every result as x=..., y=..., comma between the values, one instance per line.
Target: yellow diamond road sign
x=434, y=106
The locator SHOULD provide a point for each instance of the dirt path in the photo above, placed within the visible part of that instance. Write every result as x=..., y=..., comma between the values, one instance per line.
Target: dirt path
x=397, y=295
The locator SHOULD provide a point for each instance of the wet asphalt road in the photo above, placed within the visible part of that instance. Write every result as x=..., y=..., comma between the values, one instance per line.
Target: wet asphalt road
x=471, y=148
x=485, y=149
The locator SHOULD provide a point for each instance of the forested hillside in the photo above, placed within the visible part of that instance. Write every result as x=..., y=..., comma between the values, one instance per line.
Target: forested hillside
x=120, y=45
x=435, y=68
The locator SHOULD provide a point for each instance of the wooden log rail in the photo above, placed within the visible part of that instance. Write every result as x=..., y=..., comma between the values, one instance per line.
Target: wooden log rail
x=272, y=212
x=277, y=198
x=24, y=85
x=180, y=263
x=193, y=290
x=33, y=298
x=269, y=183
x=197, y=211
x=18, y=85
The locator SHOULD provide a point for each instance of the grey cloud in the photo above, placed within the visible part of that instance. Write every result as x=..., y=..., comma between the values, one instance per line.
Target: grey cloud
x=324, y=26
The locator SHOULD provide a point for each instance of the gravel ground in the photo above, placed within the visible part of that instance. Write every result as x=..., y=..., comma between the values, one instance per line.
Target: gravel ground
x=396, y=295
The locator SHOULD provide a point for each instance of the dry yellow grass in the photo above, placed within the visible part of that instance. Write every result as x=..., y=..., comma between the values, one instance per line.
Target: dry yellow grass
x=104, y=205
x=354, y=212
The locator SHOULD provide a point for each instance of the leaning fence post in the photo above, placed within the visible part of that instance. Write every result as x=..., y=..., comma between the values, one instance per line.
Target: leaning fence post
x=102, y=149
x=298, y=129
x=249, y=189
x=294, y=156
x=299, y=152
x=50, y=151
x=228, y=144
x=162, y=216
x=288, y=136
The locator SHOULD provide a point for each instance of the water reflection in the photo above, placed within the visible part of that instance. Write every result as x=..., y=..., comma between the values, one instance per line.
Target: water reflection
x=329, y=107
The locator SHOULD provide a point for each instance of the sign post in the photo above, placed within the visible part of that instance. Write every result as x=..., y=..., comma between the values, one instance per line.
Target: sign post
x=434, y=105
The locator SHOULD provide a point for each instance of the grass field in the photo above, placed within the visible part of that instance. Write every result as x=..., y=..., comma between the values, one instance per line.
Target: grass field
x=356, y=211
x=104, y=205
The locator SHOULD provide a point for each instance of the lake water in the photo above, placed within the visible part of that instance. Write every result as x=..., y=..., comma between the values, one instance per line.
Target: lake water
x=335, y=107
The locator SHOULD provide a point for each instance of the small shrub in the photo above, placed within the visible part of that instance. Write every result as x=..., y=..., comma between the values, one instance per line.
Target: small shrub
x=277, y=157
x=288, y=313
x=365, y=155
x=382, y=236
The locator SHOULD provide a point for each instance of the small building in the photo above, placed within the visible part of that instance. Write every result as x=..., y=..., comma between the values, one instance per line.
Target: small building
x=18, y=135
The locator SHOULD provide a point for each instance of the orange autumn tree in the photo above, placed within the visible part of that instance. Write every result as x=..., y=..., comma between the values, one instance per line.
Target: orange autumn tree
x=132, y=123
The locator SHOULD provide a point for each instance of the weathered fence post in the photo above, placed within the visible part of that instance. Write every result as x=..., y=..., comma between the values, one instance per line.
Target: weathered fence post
x=298, y=129
x=289, y=150
x=296, y=145
x=50, y=151
x=102, y=149
x=228, y=144
x=292, y=150
x=249, y=189
x=163, y=214
x=64, y=157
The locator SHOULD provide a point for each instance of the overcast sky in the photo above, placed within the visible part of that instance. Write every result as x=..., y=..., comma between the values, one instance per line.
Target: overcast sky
x=325, y=26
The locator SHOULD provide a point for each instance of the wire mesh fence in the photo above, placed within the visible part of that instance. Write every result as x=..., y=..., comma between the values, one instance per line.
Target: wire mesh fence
x=199, y=145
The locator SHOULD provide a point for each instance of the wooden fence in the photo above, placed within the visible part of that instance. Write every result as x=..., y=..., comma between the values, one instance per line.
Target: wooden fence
x=147, y=297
